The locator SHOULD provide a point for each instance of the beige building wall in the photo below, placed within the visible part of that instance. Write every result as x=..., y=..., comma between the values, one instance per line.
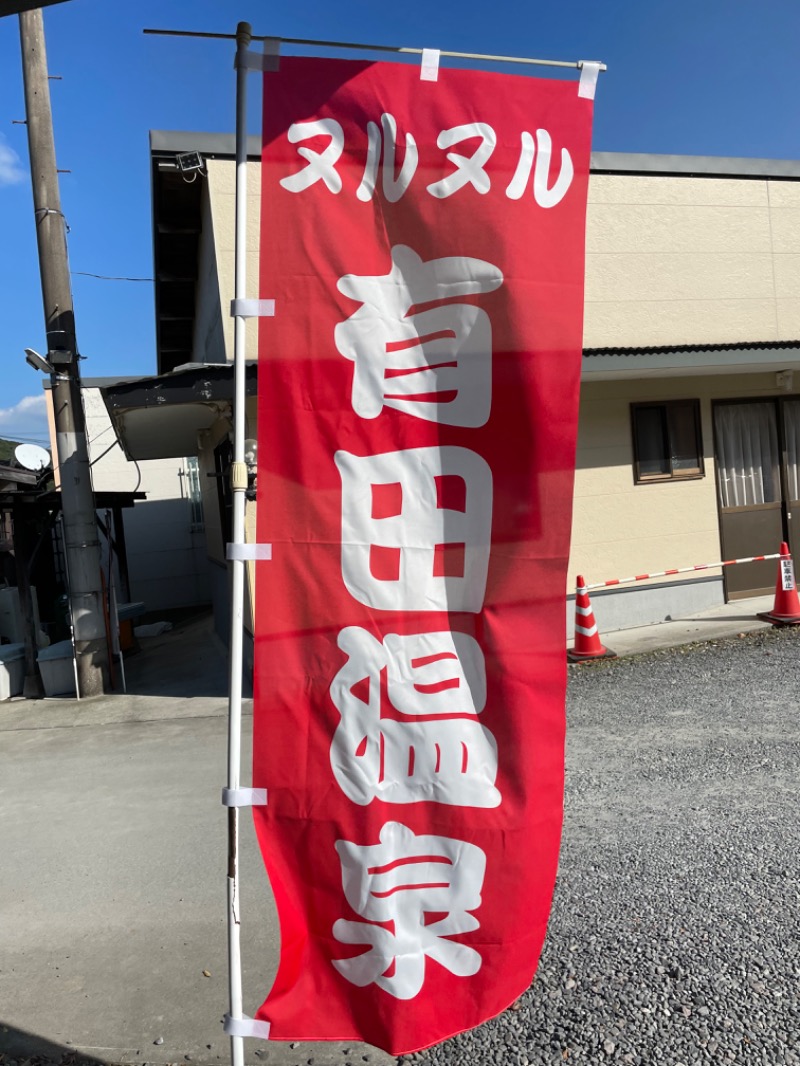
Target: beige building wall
x=221, y=185
x=620, y=529
x=683, y=260
x=670, y=261
x=213, y=342
x=209, y=335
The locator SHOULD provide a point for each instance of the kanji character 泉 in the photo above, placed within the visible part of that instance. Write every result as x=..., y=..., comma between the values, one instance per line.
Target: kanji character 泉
x=399, y=881
x=416, y=528
x=435, y=364
x=449, y=760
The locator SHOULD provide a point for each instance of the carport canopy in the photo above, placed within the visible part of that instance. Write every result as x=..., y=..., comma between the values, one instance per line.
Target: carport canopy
x=160, y=417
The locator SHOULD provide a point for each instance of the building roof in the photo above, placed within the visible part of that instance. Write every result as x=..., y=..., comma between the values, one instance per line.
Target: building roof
x=665, y=349
x=690, y=360
x=223, y=146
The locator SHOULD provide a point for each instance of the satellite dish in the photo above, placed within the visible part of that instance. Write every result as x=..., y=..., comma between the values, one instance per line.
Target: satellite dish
x=32, y=457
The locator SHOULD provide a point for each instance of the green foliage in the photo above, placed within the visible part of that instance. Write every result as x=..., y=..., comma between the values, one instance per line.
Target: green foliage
x=7, y=450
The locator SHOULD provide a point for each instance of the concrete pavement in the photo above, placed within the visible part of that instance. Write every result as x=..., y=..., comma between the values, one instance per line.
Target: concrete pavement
x=726, y=621
x=113, y=849
x=113, y=872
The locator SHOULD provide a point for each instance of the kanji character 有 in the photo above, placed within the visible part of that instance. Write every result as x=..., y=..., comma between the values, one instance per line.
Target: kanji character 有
x=399, y=880
x=449, y=760
x=434, y=364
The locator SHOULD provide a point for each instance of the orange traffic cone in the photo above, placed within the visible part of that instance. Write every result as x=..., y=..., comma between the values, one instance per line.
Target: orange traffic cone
x=786, y=610
x=587, y=638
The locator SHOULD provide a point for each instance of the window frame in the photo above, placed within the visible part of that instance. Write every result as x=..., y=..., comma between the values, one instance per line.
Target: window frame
x=194, y=494
x=223, y=458
x=672, y=475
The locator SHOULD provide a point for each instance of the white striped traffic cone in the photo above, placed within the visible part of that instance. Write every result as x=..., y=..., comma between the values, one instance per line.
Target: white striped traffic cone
x=587, y=639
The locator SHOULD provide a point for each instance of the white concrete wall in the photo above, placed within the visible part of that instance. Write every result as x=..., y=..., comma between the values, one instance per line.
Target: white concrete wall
x=166, y=556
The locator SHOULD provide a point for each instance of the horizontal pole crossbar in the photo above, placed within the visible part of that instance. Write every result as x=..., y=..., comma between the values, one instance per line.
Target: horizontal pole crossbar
x=576, y=65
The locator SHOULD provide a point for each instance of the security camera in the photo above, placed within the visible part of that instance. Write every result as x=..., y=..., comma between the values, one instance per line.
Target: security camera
x=189, y=162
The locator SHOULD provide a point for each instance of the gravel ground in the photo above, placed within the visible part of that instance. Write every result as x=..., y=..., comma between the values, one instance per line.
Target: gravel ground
x=675, y=930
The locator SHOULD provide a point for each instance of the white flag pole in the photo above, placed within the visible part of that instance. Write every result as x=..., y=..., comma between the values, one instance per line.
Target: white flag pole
x=238, y=563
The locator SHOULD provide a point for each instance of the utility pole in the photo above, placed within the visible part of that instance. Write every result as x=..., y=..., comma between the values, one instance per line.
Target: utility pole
x=81, y=543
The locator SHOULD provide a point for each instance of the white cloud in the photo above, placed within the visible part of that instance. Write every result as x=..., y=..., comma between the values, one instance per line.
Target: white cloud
x=26, y=420
x=11, y=170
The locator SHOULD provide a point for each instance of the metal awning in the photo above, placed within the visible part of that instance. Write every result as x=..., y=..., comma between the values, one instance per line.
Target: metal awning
x=160, y=417
x=17, y=478
x=39, y=502
x=701, y=360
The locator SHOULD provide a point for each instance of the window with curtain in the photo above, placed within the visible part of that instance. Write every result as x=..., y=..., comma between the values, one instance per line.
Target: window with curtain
x=747, y=454
x=667, y=441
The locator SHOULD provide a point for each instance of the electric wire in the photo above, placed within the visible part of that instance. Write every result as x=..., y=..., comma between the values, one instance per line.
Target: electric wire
x=107, y=277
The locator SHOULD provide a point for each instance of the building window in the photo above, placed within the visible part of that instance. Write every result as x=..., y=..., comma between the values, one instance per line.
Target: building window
x=667, y=441
x=223, y=459
x=193, y=492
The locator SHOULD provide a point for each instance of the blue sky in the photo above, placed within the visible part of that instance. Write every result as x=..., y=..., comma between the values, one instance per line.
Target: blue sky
x=691, y=77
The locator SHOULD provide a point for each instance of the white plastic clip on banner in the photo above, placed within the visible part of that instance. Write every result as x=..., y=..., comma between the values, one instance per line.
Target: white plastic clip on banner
x=244, y=797
x=430, y=64
x=249, y=553
x=252, y=308
x=588, y=82
x=272, y=53
x=268, y=60
x=245, y=1026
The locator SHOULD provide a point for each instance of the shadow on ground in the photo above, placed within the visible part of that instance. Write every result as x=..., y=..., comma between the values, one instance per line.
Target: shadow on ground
x=188, y=660
x=19, y=1044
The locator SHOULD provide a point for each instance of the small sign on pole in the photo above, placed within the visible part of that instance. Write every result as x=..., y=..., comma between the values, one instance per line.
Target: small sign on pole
x=787, y=574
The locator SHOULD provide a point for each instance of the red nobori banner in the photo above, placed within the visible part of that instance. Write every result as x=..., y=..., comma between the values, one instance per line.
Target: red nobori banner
x=418, y=395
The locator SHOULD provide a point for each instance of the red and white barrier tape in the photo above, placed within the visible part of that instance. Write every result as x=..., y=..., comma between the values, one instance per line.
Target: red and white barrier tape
x=679, y=570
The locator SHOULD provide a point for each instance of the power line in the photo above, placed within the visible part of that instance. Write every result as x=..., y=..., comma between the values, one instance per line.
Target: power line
x=107, y=277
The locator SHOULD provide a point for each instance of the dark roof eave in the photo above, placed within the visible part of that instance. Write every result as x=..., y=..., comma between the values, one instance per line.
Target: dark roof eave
x=670, y=349
x=189, y=383
x=223, y=145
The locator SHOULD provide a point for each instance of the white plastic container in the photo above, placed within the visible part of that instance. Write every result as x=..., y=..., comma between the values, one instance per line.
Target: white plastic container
x=12, y=624
x=57, y=670
x=12, y=670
